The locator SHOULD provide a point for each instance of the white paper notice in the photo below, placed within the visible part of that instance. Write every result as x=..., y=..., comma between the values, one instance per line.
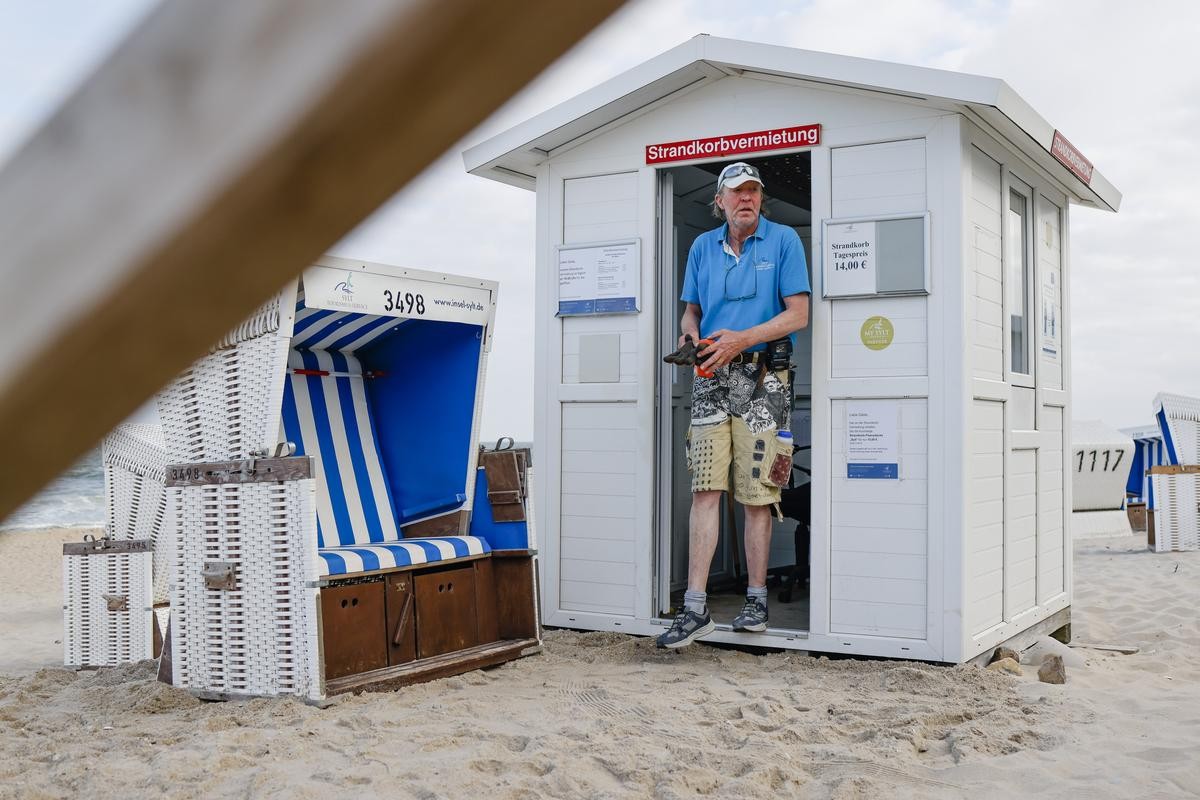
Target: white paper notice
x=598, y=279
x=1050, y=317
x=850, y=259
x=872, y=439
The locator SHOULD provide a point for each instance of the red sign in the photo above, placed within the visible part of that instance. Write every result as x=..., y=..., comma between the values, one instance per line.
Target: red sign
x=1071, y=158
x=734, y=144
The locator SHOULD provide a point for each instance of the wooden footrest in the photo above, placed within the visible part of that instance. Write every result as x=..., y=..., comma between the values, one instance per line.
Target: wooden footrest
x=428, y=669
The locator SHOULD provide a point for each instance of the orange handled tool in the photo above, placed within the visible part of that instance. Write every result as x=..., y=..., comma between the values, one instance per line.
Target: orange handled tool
x=700, y=345
x=688, y=355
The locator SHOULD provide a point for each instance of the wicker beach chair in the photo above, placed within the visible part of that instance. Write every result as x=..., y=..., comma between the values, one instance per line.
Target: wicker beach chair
x=321, y=487
x=1175, y=485
x=111, y=584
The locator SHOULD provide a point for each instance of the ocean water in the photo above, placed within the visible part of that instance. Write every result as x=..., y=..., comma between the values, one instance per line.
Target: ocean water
x=74, y=500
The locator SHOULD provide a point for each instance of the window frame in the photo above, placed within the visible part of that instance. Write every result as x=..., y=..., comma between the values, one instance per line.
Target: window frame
x=1014, y=184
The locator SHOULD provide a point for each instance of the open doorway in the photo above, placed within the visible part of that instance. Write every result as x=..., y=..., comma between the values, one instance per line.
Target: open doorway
x=685, y=195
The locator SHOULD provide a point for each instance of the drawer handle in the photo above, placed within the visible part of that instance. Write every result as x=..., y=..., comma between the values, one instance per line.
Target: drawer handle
x=402, y=626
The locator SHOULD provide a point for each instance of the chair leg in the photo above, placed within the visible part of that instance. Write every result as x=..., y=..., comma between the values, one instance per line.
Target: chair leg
x=785, y=590
x=798, y=573
x=803, y=544
x=789, y=581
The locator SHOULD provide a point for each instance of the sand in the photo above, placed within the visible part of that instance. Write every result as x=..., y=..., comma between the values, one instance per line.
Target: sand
x=606, y=715
x=31, y=598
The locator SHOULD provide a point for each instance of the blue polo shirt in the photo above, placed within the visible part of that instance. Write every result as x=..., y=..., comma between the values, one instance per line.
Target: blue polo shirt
x=738, y=293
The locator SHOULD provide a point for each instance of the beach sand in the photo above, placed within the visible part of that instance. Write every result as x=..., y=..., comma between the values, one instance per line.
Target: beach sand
x=31, y=598
x=606, y=715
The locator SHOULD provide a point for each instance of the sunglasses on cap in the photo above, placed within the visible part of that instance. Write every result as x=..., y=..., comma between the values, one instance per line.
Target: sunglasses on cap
x=731, y=173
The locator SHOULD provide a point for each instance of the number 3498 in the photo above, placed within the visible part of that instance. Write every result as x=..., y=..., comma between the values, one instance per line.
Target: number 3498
x=406, y=303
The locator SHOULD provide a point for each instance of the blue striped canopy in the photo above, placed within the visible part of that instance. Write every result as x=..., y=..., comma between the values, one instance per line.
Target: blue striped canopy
x=1147, y=452
x=344, y=331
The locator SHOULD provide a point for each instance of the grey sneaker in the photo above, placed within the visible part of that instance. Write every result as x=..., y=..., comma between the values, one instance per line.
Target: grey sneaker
x=687, y=628
x=753, y=616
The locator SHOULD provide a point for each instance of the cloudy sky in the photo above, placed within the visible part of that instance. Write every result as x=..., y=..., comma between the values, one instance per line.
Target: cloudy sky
x=1120, y=80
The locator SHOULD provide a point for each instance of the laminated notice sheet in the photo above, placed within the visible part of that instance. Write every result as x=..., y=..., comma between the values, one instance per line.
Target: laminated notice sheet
x=599, y=278
x=872, y=439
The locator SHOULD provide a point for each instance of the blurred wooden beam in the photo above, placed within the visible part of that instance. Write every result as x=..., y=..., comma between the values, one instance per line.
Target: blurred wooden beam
x=222, y=148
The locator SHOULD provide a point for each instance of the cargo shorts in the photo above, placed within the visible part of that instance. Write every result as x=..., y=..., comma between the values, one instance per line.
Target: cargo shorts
x=735, y=416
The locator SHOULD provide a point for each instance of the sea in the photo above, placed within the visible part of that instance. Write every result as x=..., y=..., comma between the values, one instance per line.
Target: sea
x=74, y=500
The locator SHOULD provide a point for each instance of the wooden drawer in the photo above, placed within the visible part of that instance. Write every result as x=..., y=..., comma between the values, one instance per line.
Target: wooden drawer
x=516, y=596
x=446, y=612
x=487, y=626
x=401, y=619
x=353, y=623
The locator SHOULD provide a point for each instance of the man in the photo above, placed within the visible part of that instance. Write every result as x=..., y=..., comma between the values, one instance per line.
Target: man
x=746, y=287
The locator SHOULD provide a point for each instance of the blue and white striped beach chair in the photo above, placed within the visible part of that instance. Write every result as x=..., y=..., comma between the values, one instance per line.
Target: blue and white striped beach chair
x=1148, y=451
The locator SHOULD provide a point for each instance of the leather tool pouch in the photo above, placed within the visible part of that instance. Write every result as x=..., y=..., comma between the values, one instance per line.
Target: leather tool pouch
x=777, y=462
x=779, y=353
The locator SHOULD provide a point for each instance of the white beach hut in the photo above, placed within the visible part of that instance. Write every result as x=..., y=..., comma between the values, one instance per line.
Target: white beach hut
x=1099, y=466
x=948, y=344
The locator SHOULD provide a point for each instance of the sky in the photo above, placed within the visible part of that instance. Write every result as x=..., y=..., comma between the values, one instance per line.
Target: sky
x=1118, y=79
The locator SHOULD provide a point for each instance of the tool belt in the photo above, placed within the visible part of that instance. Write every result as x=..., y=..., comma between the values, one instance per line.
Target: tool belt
x=776, y=356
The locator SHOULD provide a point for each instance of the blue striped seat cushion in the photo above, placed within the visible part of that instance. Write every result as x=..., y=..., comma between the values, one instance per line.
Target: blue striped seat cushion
x=325, y=413
x=405, y=553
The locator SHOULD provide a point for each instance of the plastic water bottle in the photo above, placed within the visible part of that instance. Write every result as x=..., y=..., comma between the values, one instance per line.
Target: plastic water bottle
x=781, y=467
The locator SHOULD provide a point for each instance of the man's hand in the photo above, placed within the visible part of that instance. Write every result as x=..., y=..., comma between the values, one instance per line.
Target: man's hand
x=726, y=344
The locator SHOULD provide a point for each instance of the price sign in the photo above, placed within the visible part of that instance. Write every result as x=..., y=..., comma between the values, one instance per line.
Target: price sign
x=874, y=256
x=850, y=259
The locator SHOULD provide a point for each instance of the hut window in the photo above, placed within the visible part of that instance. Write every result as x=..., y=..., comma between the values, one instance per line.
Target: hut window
x=1017, y=277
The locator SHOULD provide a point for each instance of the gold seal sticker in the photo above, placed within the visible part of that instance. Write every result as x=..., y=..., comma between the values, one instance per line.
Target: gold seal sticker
x=877, y=333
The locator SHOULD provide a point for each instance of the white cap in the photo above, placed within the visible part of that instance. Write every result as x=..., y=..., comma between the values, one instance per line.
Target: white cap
x=736, y=174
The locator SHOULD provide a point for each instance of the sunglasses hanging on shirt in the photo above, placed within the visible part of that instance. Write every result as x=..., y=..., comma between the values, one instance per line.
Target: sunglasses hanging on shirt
x=741, y=277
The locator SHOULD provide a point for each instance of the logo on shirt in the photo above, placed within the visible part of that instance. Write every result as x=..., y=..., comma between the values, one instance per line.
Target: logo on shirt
x=762, y=265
